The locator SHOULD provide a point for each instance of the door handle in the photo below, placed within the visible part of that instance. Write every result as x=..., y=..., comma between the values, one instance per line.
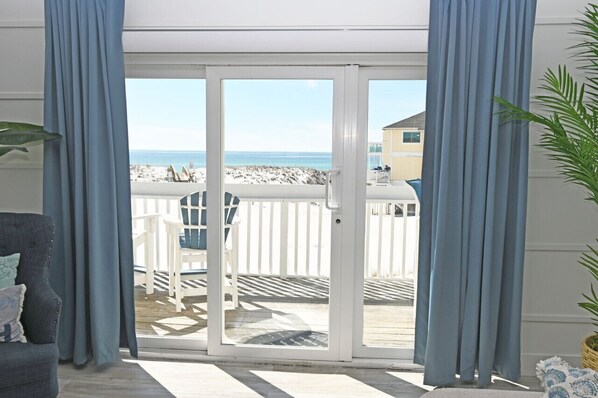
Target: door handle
x=329, y=174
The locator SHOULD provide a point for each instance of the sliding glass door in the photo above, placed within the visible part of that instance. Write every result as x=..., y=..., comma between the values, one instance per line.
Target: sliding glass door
x=392, y=132
x=311, y=233
x=275, y=141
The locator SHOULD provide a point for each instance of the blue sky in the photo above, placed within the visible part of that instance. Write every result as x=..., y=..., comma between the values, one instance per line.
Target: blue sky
x=260, y=115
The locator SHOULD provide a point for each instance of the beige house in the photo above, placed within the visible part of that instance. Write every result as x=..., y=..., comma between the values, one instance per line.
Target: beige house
x=403, y=147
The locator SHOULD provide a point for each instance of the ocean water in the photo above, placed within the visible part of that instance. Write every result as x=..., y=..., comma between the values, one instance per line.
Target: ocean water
x=197, y=159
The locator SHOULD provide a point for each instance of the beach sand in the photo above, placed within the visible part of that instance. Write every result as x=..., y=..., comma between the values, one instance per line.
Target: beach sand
x=237, y=175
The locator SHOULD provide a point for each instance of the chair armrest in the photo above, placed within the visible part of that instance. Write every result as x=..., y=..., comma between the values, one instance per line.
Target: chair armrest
x=41, y=314
x=171, y=221
x=145, y=216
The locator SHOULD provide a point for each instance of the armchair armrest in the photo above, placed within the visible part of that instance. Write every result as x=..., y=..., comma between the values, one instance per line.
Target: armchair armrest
x=41, y=313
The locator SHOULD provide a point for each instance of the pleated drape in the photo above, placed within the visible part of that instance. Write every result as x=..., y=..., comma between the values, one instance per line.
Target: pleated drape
x=86, y=178
x=474, y=191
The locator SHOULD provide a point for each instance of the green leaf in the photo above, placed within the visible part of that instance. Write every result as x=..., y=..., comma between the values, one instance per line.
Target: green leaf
x=14, y=134
x=6, y=149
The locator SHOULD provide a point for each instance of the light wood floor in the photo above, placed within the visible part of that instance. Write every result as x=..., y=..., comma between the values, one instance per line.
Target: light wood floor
x=161, y=378
x=272, y=311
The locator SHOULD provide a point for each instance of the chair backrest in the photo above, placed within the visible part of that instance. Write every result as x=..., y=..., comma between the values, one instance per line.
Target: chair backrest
x=32, y=236
x=416, y=184
x=193, y=213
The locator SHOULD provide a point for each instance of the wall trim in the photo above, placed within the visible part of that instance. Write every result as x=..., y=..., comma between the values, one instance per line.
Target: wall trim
x=555, y=247
x=22, y=24
x=196, y=61
x=162, y=26
x=21, y=166
x=544, y=173
x=23, y=95
x=555, y=318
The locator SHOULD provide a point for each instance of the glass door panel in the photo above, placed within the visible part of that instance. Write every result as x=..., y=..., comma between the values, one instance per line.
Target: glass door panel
x=166, y=123
x=393, y=117
x=278, y=135
x=278, y=142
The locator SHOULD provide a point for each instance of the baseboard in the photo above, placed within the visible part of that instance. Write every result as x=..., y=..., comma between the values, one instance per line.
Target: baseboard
x=529, y=361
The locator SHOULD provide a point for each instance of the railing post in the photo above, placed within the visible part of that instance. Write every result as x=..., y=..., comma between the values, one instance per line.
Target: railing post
x=404, y=254
x=296, y=251
x=284, y=238
x=260, y=236
x=150, y=247
x=249, y=205
x=391, y=261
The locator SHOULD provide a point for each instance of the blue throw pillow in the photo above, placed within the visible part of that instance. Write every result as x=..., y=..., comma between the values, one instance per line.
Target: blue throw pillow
x=11, y=306
x=8, y=270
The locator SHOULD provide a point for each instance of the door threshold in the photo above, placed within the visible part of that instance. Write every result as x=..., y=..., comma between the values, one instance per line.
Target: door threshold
x=201, y=356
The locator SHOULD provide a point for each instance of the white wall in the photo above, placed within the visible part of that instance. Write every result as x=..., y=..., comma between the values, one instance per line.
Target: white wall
x=21, y=86
x=560, y=223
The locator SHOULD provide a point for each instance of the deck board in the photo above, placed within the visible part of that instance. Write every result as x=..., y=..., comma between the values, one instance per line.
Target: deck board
x=275, y=310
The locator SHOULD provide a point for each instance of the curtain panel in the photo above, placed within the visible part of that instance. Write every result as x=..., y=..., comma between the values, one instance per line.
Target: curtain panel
x=474, y=191
x=86, y=178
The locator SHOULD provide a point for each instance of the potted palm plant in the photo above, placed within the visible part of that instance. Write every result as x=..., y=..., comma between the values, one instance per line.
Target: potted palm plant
x=569, y=120
x=13, y=135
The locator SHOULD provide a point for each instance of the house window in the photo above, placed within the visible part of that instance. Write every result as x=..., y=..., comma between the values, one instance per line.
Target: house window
x=412, y=137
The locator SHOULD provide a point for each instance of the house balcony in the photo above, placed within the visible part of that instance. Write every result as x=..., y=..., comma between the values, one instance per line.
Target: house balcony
x=283, y=245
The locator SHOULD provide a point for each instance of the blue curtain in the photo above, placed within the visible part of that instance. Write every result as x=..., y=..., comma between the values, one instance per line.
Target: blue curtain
x=474, y=191
x=86, y=178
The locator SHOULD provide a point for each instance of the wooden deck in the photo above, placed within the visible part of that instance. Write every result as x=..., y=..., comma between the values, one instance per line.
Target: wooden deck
x=278, y=311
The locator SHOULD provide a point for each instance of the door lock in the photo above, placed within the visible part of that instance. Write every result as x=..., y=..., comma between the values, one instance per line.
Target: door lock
x=338, y=220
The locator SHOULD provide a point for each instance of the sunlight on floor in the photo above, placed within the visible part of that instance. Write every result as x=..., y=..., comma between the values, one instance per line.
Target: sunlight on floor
x=159, y=331
x=195, y=379
x=501, y=380
x=415, y=378
x=319, y=385
x=177, y=323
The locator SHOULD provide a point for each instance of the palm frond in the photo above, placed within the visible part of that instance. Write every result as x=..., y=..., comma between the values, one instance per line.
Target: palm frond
x=15, y=134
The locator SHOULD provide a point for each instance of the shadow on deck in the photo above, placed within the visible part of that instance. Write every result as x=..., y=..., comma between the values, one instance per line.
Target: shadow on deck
x=279, y=311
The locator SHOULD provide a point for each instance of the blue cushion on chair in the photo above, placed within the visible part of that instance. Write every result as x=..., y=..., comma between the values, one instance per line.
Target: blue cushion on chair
x=8, y=269
x=416, y=184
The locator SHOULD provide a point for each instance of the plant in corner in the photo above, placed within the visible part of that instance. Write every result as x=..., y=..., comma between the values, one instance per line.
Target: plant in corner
x=13, y=135
x=569, y=118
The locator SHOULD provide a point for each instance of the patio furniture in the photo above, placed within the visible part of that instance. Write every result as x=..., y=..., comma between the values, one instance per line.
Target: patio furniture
x=186, y=241
x=183, y=176
x=30, y=369
x=189, y=176
x=144, y=235
x=416, y=184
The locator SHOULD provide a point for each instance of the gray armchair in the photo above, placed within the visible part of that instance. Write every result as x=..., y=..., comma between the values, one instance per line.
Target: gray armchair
x=30, y=369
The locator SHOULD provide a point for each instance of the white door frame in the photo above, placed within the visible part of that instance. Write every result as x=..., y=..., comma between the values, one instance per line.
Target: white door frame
x=365, y=75
x=215, y=195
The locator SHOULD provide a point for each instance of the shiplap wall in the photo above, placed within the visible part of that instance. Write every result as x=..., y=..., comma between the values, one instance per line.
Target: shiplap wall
x=560, y=223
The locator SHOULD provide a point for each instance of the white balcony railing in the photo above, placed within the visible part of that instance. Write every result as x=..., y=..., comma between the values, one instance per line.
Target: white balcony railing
x=284, y=230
